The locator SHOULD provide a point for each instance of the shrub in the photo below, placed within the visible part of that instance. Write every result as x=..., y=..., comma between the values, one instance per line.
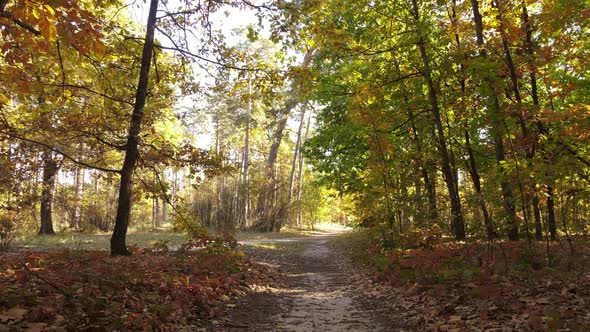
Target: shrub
x=426, y=238
x=7, y=228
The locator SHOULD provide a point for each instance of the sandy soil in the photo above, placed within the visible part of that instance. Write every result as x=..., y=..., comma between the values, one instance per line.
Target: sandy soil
x=320, y=291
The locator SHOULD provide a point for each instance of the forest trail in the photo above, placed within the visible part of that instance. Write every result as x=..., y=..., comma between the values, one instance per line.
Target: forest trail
x=318, y=292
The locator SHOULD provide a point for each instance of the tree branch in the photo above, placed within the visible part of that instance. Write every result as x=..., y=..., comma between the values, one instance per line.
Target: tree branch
x=188, y=53
x=58, y=151
x=85, y=88
x=20, y=23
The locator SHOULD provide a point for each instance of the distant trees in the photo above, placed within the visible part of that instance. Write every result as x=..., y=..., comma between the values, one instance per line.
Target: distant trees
x=250, y=115
x=66, y=99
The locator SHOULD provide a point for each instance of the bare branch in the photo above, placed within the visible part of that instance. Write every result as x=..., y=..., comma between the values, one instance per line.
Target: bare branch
x=85, y=88
x=193, y=55
x=58, y=151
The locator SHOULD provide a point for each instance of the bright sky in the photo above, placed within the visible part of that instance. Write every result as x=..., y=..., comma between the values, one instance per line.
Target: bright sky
x=226, y=21
x=226, y=24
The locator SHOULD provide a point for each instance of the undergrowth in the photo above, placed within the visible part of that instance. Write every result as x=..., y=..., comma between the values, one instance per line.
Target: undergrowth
x=154, y=289
x=480, y=285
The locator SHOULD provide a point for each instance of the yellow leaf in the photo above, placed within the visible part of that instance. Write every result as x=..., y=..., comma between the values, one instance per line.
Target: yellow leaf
x=48, y=30
x=49, y=10
x=3, y=100
x=35, y=13
x=99, y=49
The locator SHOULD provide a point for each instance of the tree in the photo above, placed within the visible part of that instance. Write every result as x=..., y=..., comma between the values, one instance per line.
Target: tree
x=118, y=245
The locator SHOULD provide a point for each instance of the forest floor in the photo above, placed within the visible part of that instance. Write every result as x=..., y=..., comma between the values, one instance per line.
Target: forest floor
x=323, y=280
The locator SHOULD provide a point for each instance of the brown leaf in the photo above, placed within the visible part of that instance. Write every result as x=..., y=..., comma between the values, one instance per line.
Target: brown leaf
x=14, y=314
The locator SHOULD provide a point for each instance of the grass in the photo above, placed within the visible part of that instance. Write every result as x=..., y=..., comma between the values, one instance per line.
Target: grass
x=355, y=244
x=287, y=234
x=292, y=247
x=96, y=241
x=146, y=239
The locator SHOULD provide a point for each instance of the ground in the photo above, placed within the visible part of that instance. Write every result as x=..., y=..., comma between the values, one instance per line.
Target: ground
x=295, y=281
x=319, y=291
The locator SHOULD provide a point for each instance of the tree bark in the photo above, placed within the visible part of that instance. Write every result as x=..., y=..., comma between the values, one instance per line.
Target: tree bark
x=164, y=211
x=457, y=221
x=118, y=239
x=300, y=176
x=278, y=134
x=551, y=224
x=426, y=176
x=78, y=194
x=490, y=231
x=157, y=212
x=246, y=161
x=48, y=185
x=264, y=196
x=472, y=164
x=535, y=95
x=537, y=214
x=277, y=138
x=296, y=154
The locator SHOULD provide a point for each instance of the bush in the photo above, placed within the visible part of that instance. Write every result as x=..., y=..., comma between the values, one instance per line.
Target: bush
x=201, y=239
x=7, y=229
x=425, y=238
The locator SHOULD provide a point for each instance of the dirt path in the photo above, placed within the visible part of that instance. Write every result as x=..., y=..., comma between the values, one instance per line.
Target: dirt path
x=319, y=292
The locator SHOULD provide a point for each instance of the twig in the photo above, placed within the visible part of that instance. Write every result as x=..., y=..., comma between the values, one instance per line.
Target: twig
x=35, y=274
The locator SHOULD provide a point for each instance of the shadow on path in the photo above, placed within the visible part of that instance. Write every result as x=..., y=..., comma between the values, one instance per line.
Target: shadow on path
x=318, y=292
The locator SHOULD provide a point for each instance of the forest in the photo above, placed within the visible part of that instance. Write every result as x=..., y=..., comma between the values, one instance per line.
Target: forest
x=295, y=165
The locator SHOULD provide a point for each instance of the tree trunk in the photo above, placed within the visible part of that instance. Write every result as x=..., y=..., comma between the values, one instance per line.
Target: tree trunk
x=472, y=164
x=157, y=212
x=497, y=124
x=300, y=176
x=429, y=184
x=457, y=221
x=551, y=214
x=265, y=194
x=173, y=197
x=490, y=231
x=78, y=193
x=48, y=185
x=296, y=154
x=537, y=214
x=273, y=153
x=278, y=134
x=164, y=211
x=218, y=179
x=118, y=240
x=535, y=95
x=246, y=161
